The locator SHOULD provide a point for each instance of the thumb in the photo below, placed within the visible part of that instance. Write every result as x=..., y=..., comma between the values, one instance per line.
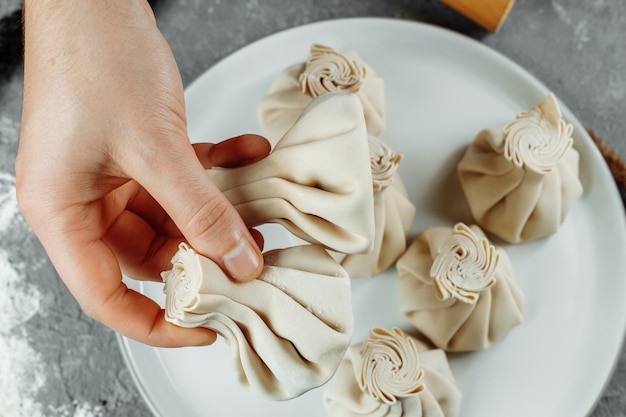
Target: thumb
x=179, y=183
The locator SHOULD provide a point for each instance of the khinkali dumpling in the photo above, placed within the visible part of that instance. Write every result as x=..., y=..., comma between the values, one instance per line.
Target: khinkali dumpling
x=316, y=182
x=393, y=375
x=393, y=214
x=326, y=70
x=458, y=289
x=287, y=330
x=520, y=180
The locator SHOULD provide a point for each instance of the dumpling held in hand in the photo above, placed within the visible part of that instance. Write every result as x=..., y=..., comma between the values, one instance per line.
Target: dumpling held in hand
x=287, y=330
x=317, y=180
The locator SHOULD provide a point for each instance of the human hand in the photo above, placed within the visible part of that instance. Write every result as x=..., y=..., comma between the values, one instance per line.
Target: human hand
x=106, y=176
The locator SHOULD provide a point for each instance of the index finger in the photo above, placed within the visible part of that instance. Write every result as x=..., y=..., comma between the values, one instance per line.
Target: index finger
x=234, y=152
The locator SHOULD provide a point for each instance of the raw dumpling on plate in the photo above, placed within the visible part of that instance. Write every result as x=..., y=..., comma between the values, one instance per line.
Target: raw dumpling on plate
x=325, y=71
x=287, y=330
x=317, y=181
x=392, y=374
x=393, y=214
x=458, y=289
x=521, y=180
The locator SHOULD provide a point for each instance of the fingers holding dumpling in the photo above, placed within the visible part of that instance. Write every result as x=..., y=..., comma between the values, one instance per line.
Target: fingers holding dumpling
x=307, y=183
x=287, y=330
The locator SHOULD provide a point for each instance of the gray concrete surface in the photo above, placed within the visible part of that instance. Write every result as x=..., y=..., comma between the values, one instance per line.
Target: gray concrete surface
x=55, y=361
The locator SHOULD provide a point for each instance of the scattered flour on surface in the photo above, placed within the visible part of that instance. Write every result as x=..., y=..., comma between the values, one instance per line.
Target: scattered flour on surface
x=9, y=129
x=21, y=377
x=22, y=369
x=76, y=410
x=8, y=201
x=19, y=301
x=579, y=25
x=85, y=410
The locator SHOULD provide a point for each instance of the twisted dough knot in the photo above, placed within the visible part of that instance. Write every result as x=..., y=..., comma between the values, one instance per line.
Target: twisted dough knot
x=538, y=139
x=384, y=163
x=464, y=266
x=391, y=367
x=328, y=71
x=182, y=282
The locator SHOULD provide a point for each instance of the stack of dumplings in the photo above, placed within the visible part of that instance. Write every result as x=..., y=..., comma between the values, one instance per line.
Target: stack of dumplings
x=333, y=183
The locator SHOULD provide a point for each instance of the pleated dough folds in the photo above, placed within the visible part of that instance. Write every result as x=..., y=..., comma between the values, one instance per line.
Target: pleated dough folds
x=325, y=71
x=317, y=180
x=458, y=290
x=393, y=215
x=521, y=180
x=393, y=375
x=287, y=330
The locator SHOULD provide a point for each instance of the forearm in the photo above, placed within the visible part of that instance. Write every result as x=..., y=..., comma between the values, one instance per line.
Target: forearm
x=59, y=34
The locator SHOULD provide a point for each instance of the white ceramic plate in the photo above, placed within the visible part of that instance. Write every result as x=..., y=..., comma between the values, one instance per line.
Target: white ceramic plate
x=441, y=89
